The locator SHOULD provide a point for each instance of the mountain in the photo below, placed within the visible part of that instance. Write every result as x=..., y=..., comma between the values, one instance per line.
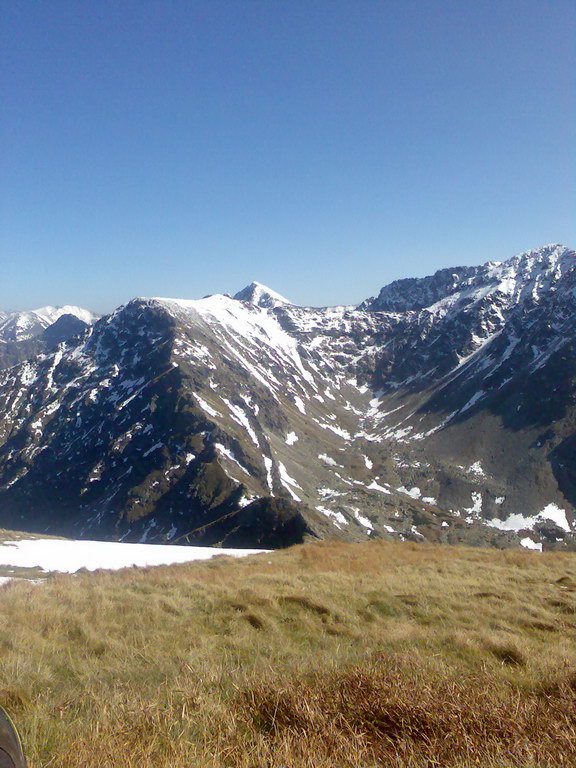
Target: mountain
x=22, y=326
x=441, y=410
x=25, y=334
x=260, y=296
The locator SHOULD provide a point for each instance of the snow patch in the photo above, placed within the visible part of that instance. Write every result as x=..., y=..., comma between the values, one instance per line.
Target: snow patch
x=69, y=556
x=204, y=405
x=339, y=519
x=529, y=544
x=476, y=507
x=268, y=465
x=518, y=522
x=375, y=487
x=553, y=512
x=414, y=492
x=299, y=404
x=150, y=450
x=229, y=455
x=363, y=520
x=291, y=438
x=288, y=481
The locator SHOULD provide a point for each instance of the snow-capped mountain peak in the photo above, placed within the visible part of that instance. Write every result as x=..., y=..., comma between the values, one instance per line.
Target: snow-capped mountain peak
x=51, y=314
x=29, y=324
x=261, y=296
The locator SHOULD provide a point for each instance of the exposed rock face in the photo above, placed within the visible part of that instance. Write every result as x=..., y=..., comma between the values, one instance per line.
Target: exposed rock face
x=441, y=410
x=64, y=328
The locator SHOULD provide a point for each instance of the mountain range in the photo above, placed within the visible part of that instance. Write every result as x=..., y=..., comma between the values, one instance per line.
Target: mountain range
x=442, y=409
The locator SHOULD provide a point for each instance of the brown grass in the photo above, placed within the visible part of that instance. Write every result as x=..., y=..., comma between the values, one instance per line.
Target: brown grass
x=394, y=713
x=325, y=655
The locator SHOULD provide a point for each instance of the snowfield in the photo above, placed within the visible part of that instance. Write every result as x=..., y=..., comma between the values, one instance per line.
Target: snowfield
x=70, y=556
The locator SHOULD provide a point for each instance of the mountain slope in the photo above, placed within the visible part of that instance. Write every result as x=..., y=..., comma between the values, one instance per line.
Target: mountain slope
x=442, y=410
x=501, y=388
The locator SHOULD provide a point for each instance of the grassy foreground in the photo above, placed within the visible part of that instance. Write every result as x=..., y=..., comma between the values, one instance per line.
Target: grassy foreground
x=324, y=655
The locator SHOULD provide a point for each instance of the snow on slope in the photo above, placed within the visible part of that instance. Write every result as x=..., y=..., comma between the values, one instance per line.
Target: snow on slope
x=252, y=328
x=69, y=556
x=471, y=330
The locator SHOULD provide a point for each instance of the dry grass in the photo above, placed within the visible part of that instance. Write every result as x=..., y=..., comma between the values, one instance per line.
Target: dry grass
x=325, y=655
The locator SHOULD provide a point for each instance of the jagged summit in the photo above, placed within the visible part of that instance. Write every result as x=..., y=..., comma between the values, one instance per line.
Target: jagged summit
x=528, y=275
x=260, y=295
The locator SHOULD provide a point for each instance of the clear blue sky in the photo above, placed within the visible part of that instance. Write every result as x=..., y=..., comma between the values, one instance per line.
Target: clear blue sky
x=323, y=147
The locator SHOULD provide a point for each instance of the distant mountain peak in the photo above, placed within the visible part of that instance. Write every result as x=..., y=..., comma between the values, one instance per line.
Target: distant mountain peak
x=29, y=324
x=51, y=314
x=260, y=295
